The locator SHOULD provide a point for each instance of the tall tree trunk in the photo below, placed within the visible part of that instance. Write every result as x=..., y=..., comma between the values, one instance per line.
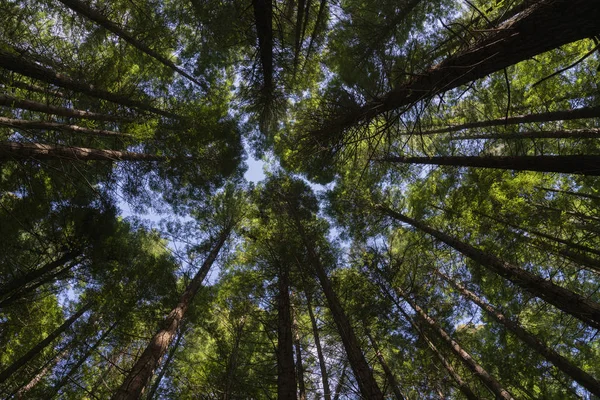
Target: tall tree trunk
x=574, y=304
x=143, y=369
x=23, y=389
x=386, y=369
x=581, y=164
x=318, y=23
x=55, y=126
x=299, y=367
x=340, y=383
x=579, y=215
x=583, y=378
x=362, y=372
x=20, y=65
x=286, y=374
x=65, y=379
x=462, y=385
x=488, y=380
x=38, y=151
x=263, y=18
x=95, y=15
x=565, y=115
x=25, y=358
x=591, y=133
x=159, y=377
x=322, y=365
x=579, y=194
x=544, y=26
x=14, y=102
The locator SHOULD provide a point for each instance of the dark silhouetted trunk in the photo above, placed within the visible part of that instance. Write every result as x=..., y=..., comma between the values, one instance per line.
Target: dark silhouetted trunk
x=581, y=164
x=14, y=102
x=340, y=383
x=286, y=374
x=263, y=17
x=299, y=367
x=362, y=372
x=20, y=65
x=579, y=194
x=55, y=126
x=316, y=31
x=546, y=25
x=38, y=151
x=583, y=378
x=488, y=380
x=571, y=303
x=592, y=133
x=22, y=391
x=94, y=15
x=386, y=369
x=322, y=365
x=25, y=358
x=143, y=369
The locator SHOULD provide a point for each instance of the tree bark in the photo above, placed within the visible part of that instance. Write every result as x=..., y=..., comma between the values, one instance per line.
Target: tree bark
x=286, y=374
x=362, y=372
x=340, y=383
x=386, y=369
x=560, y=362
x=94, y=15
x=142, y=371
x=10, y=151
x=14, y=102
x=488, y=380
x=25, y=358
x=23, y=389
x=565, y=115
x=20, y=65
x=322, y=365
x=581, y=164
x=55, y=126
x=165, y=366
x=592, y=133
x=571, y=303
x=263, y=17
x=544, y=26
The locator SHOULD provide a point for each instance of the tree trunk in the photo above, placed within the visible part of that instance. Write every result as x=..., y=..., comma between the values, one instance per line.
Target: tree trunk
x=583, y=378
x=544, y=26
x=488, y=380
x=142, y=371
x=571, y=303
x=20, y=65
x=10, y=151
x=579, y=194
x=313, y=37
x=24, y=359
x=55, y=126
x=340, y=383
x=462, y=385
x=299, y=367
x=592, y=133
x=565, y=115
x=322, y=365
x=65, y=379
x=581, y=164
x=263, y=17
x=386, y=369
x=94, y=15
x=362, y=372
x=14, y=102
x=23, y=389
x=286, y=374
x=165, y=366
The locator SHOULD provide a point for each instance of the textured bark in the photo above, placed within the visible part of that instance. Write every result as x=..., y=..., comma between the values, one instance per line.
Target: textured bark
x=386, y=369
x=286, y=373
x=14, y=102
x=143, y=369
x=485, y=377
x=20, y=65
x=38, y=151
x=571, y=303
x=25, y=358
x=156, y=385
x=566, y=115
x=55, y=126
x=560, y=362
x=263, y=17
x=362, y=372
x=581, y=164
x=322, y=365
x=592, y=133
x=94, y=15
x=544, y=26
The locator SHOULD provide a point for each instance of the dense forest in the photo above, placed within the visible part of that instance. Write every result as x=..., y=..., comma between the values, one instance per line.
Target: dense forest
x=428, y=226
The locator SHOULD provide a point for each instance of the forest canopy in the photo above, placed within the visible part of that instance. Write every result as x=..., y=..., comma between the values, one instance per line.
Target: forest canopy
x=428, y=225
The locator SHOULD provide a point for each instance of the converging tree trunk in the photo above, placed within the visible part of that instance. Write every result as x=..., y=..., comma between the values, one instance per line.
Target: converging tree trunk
x=37, y=151
x=322, y=365
x=25, y=358
x=166, y=364
x=386, y=369
x=286, y=373
x=580, y=376
x=55, y=126
x=144, y=367
x=581, y=164
x=592, y=133
x=574, y=304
